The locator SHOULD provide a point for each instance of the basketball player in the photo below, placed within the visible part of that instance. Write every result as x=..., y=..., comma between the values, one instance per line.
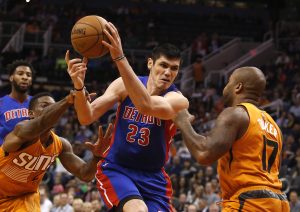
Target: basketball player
x=132, y=177
x=14, y=107
x=29, y=150
x=247, y=142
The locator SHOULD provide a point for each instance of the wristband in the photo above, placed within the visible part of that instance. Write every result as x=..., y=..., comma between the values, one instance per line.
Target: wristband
x=80, y=89
x=119, y=58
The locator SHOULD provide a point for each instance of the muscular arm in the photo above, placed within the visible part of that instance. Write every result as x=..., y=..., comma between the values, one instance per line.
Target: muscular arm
x=161, y=107
x=89, y=112
x=231, y=124
x=29, y=130
x=75, y=165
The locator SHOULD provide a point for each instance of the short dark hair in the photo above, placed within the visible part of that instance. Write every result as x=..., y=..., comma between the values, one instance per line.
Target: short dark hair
x=12, y=67
x=34, y=99
x=168, y=50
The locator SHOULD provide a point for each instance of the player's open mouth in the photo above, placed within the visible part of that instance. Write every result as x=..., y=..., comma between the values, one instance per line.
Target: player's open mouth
x=165, y=80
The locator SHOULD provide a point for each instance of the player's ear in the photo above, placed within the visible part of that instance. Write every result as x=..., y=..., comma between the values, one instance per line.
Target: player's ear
x=11, y=78
x=239, y=87
x=150, y=63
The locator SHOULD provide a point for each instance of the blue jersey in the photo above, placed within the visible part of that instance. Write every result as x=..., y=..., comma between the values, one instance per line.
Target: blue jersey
x=140, y=141
x=11, y=112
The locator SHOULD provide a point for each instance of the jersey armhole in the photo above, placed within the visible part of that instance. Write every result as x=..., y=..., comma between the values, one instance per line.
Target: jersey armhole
x=247, y=130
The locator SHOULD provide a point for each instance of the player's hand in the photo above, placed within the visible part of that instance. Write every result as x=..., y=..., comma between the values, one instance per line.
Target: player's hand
x=102, y=145
x=182, y=117
x=115, y=45
x=70, y=97
x=76, y=69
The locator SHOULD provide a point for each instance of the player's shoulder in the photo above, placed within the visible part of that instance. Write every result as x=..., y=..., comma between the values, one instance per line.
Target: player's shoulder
x=238, y=114
x=4, y=98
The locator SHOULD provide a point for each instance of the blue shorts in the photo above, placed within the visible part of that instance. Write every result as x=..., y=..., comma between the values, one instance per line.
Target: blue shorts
x=116, y=183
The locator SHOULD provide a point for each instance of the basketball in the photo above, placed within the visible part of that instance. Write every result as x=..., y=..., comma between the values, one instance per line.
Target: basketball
x=87, y=34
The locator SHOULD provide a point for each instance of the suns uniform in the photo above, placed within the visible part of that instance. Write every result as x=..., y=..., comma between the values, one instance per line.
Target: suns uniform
x=249, y=171
x=11, y=113
x=134, y=164
x=21, y=173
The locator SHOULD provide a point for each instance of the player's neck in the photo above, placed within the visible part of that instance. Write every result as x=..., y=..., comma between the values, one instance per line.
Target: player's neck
x=246, y=100
x=21, y=97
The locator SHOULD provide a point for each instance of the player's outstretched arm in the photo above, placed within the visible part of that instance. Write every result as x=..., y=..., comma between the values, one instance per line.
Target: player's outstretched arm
x=160, y=107
x=230, y=125
x=78, y=167
x=29, y=130
x=88, y=112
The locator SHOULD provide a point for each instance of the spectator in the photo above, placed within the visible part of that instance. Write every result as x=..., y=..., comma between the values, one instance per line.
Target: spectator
x=294, y=202
x=97, y=205
x=191, y=208
x=87, y=207
x=77, y=205
x=46, y=203
x=209, y=196
x=64, y=204
x=56, y=203
x=214, y=208
x=199, y=72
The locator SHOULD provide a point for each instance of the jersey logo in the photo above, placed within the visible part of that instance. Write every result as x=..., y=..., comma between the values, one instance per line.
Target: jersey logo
x=267, y=126
x=131, y=113
x=16, y=113
x=30, y=162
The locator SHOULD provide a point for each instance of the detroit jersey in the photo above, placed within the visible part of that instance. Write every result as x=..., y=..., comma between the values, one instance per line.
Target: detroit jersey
x=11, y=113
x=22, y=171
x=140, y=141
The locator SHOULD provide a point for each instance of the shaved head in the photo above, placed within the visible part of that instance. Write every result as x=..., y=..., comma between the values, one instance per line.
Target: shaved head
x=253, y=79
x=245, y=83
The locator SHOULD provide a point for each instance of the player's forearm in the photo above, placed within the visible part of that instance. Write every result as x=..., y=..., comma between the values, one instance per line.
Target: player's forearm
x=49, y=117
x=197, y=149
x=83, y=108
x=135, y=88
x=195, y=143
x=88, y=170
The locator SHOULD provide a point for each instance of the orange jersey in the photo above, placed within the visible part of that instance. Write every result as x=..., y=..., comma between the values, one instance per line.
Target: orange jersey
x=254, y=159
x=22, y=171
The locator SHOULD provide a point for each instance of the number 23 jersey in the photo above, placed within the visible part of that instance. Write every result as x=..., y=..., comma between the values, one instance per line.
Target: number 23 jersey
x=140, y=141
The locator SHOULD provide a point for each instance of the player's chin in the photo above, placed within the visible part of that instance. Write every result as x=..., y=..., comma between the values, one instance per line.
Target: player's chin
x=23, y=89
x=164, y=85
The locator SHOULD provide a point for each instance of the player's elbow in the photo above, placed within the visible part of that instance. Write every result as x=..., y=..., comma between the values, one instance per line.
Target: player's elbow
x=86, y=178
x=85, y=121
x=144, y=109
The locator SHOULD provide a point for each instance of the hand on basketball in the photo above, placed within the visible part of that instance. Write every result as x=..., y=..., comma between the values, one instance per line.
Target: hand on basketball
x=102, y=144
x=115, y=45
x=76, y=69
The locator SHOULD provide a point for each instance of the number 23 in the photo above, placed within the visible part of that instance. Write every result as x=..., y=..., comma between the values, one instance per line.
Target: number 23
x=144, y=135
